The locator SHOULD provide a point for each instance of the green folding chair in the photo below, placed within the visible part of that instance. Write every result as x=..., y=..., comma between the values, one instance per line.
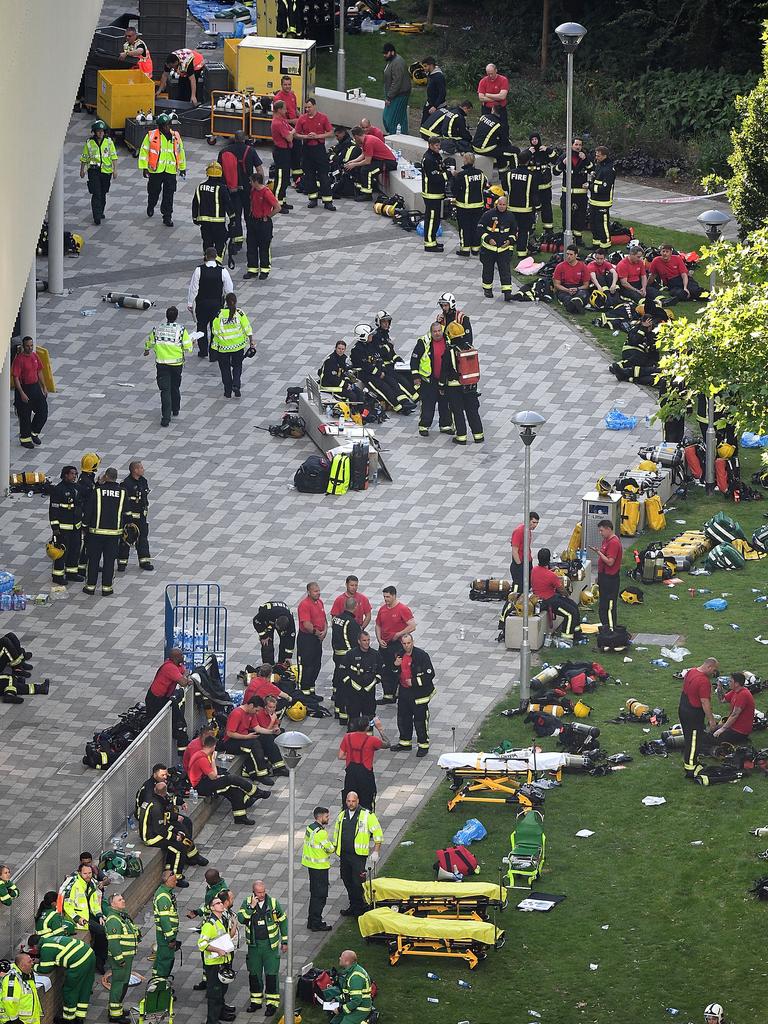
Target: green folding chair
x=528, y=849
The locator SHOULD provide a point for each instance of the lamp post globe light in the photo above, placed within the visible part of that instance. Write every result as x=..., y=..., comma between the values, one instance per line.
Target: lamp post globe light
x=292, y=746
x=529, y=423
x=713, y=222
x=570, y=34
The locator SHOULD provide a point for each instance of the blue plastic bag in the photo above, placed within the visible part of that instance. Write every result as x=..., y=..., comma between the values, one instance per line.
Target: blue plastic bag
x=420, y=230
x=750, y=440
x=615, y=420
x=717, y=604
x=472, y=831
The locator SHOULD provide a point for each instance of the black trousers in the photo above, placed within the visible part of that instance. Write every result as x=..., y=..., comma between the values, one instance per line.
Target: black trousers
x=259, y=245
x=142, y=544
x=215, y=235
x=232, y=788
x=241, y=201
x=501, y=113
x=433, y=211
x=205, y=314
x=578, y=212
x=230, y=367
x=296, y=164
x=650, y=293
x=361, y=780
x=282, y=162
x=33, y=413
x=155, y=705
x=469, y=233
x=693, y=722
x=599, y=225
x=255, y=764
x=675, y=286
x=410, y=716
x=67, y=566
x=516, y=575
x=431, y=395
x=465, y=408
x=564, y=606
x=98, y=942
x=338, y=689
x=736, y=739
x=215, y=994
x=491, y=260
x=360, y=703
x=102, y=552
x=525, y=222
x=609, y=595
x=309, y=655
x=98, y=186
x=352, y=870
x=285, y=651
x=315, y=164
x=544, y=206
x=169, y=385
x=318, y=896
x=175, y=855
x=390, y=673
x=161, y=181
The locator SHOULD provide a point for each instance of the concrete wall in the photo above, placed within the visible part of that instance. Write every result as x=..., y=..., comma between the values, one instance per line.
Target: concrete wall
x=45, y=44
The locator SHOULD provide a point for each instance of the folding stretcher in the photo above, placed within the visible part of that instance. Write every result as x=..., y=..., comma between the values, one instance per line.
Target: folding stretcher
x=467, y=900
x=407, y=935
x=491, y=778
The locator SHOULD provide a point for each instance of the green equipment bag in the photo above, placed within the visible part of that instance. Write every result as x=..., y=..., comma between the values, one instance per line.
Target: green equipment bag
x=721, y=529
x=338, y=481
x=760, y=539
x=654, y=514
x=157, y=1004
x=630, y=517
x=724, y=556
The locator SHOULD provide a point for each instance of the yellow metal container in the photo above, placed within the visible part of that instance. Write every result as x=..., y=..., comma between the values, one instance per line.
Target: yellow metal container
x=122, y=94
x=230, y=56
x=262, y=62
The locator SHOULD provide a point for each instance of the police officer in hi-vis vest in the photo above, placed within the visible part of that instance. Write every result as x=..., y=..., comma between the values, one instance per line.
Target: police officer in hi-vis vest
x=161, y=158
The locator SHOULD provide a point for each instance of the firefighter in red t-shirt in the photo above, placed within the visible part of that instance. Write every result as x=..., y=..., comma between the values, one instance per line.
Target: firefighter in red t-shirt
x=571, y=281
x=551, y=592
x=671, y=270
x=695, y=709
x=738, y=726
x=394, y=620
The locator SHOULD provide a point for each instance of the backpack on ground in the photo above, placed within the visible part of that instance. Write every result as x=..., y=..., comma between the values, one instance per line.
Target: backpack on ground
x=358, y=470
x=695, y=460
x=724, y=556
x=654, y=514
x=721, y=528
x=617, y=639
x=456, y=860
x=339, y=475
x=630, y=517
x=312, y=475
x=760, y=539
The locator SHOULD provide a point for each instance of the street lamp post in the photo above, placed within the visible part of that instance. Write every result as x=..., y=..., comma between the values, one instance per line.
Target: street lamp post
x=341, y=76
x=570, y=35
x=292, y=745
x=529, y=422
x=713, y=222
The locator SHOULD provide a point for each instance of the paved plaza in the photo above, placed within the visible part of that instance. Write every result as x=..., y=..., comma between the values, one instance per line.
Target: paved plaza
x=224, y=508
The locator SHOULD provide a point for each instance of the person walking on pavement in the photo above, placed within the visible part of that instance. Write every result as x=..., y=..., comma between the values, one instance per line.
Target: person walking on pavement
x=166, y=915
x=161, y=159
x=136, y=508
x=19, y=999
x=123, y=941
x=213, y=210
x=105, y=519
x=358, y=749
x=463, y=399
x=282, y=143
x=312, y=129
x=239, y=159
x=31, y=397
x=231, y=335
x=498, y=229
x=210, y=284
x=394, y=620
x=267, y=937
x=79, y=963
x=416, y=689
x=356, y=828
x=64, y=517
x=609, y=556
x=397, y=89
x=263, y=206
x=434, y=179
x=215, y=943
x=316, y=858
x=170, y=342
x=99, y=162
x=426, y=367
x=313, y=626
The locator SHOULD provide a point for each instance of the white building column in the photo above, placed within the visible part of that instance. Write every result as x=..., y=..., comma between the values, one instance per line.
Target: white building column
x=5, y=424
x=56, y=233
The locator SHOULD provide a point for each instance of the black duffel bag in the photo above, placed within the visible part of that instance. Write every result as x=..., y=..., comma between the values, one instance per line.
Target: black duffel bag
x=617, y=639
x=312, y=475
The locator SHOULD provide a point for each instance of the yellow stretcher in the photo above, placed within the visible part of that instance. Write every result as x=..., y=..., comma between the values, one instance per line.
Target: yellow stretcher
x=498, y=778
x=407, y=935
x=445, y=900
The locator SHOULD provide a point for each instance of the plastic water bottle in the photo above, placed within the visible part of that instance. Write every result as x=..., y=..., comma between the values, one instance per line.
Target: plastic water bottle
x=461, y=632
x=660, y=663
x=432, y=999
x=464, y=984
x=431, y=976
x=399, y=129
x=342, y=422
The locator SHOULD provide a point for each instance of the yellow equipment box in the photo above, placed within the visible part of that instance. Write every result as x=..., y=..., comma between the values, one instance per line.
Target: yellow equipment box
x=122, y=94
x=262, y=62
x=230, y=57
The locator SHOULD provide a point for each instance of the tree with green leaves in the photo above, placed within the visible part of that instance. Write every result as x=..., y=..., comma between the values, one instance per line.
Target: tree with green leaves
x=723, y=351
x=748, y=188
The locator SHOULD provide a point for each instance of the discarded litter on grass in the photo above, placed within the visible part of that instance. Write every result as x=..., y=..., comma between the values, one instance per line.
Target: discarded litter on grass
x=584, y=833
x=653, y=801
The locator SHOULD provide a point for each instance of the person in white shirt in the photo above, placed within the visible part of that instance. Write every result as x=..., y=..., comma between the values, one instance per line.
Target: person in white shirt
x=209, y=285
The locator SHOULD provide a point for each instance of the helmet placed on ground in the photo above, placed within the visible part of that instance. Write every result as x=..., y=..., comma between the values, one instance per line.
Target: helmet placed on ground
x=382, y=315
x=89, y=462
x=363, y=331
x=632, y=595
x=582, y=710
x=725, y=450
x=296, y=1017
x=131, y=534
x=297, y=712
x=98, y=126
x=586, y=598
x=163, y=119
x=213, y=170
x=713, y=1014
x=447, y=299
x=54, y=550
x=598, y=298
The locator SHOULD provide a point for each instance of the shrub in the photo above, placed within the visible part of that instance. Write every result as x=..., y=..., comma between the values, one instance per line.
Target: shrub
x=748, y=189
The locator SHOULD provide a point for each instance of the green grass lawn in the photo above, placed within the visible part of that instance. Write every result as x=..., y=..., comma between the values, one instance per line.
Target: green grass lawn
x=668, y=923
x=364, y=59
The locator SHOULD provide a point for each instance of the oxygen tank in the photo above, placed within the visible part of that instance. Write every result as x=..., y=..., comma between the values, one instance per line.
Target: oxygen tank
x=636, y=708
x=546, y=676
x=130, y=301
x=549, y=709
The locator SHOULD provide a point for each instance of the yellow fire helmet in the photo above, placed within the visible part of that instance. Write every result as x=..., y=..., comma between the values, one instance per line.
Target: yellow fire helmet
x=454, y=330
x=54, y=550
x=632, y=595
x=647, y=466
x=342, y=409
x=582, y=710
x=586, y=599
x=297, y=712
x=497, y=191
x=90, y=462
x=214, y=170
x=296, y=1018
x=602, y=487
x=725, y=450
